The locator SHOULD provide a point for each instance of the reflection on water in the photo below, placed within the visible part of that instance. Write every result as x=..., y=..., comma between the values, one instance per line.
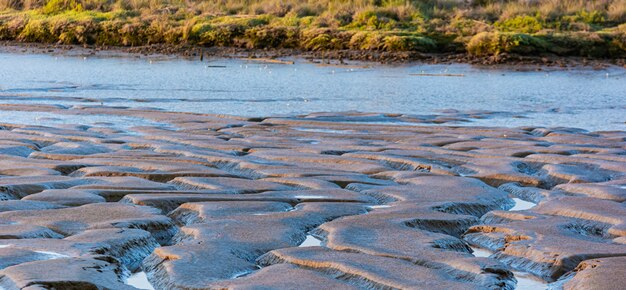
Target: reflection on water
x=579, y=98
x=52, y=255
x=139, y=280
x=310, y=196
x=379, y=206
x=51, y=119
x=522, y=204
x=311, y=241
x=527, y=281
x=480, y=252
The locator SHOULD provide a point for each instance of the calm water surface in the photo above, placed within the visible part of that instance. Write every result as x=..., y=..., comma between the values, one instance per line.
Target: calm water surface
x=584, y=98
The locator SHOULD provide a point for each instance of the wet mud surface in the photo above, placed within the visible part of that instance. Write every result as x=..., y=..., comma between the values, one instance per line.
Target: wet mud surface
x=325, y=200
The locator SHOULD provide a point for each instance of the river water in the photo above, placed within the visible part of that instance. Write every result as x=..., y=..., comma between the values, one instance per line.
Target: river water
x=582, y=98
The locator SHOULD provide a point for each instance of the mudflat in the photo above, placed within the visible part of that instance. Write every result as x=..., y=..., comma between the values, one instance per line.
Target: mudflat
x=340, y=200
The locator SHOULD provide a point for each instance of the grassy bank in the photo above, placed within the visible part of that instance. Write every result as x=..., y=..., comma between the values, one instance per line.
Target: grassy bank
x=478, y=27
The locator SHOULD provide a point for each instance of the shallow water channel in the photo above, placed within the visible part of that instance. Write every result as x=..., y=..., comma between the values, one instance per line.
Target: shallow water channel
x=525, y=281
x=581, y=97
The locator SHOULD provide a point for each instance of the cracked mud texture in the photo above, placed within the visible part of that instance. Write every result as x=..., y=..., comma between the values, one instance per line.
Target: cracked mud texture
x=214, y=201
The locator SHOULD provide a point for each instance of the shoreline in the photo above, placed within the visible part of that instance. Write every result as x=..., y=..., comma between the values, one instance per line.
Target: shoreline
x=339, y=57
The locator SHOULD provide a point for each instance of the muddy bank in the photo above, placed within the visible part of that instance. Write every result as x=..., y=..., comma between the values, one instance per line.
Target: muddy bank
x=335, y=57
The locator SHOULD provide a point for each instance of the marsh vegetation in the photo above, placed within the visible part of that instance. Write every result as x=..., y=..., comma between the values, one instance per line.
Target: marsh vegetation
x=478, y=27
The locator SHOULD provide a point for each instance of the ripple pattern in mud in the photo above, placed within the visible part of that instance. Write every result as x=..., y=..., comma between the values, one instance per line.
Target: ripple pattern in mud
x=214, y=201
